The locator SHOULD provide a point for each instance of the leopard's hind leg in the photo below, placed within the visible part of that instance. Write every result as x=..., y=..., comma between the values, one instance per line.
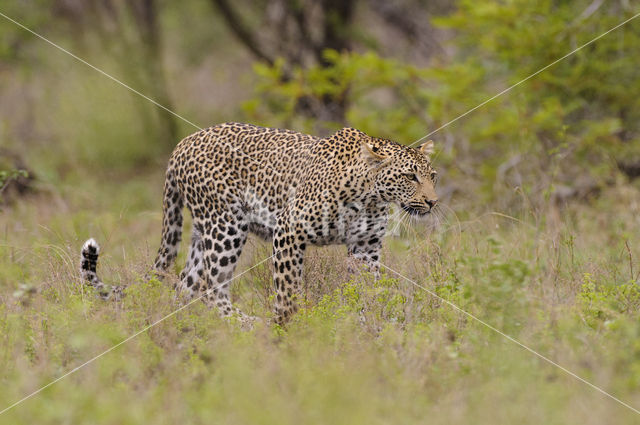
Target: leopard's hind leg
x=212, y=259
x=223, y=243
x=172, y=204
x=190, y=277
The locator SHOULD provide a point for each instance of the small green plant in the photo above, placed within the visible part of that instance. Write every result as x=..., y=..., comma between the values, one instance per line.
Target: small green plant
x=601, y=301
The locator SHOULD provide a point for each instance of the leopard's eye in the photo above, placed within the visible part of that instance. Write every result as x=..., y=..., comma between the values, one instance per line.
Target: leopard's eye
x=412, y=177
x=434, y=177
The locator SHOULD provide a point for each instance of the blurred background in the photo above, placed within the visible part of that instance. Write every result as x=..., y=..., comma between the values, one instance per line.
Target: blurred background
x=396, y=69
x=537, y=233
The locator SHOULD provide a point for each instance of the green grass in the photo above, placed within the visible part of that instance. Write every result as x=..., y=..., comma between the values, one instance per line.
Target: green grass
x=359, y=352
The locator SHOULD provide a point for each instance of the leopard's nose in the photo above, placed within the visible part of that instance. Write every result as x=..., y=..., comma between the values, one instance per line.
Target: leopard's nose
x=432, y=203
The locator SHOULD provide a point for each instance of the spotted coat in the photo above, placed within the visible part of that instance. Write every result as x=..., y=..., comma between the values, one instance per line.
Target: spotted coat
x=291, y=188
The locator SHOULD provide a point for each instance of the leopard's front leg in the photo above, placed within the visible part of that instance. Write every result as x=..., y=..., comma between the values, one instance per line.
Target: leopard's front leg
x=367, y=254
x=364, y=239
x=288, y=255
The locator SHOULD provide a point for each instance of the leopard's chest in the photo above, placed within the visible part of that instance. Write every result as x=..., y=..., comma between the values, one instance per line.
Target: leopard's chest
x=345, y=224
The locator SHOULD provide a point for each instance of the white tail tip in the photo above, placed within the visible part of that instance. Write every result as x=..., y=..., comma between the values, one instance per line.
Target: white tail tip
x=91, y=245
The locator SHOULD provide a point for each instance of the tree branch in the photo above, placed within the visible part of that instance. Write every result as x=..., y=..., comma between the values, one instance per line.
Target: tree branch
x=419, y=32
x=241, y=31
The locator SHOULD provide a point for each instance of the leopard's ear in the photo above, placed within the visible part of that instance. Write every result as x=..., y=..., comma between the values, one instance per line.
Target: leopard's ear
x=427, y=148
x=371, y=153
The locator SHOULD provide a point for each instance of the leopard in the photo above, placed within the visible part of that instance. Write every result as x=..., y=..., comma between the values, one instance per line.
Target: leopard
x=290, y=188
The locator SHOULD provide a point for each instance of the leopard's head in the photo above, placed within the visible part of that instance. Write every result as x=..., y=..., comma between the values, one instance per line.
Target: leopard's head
x=403, y=175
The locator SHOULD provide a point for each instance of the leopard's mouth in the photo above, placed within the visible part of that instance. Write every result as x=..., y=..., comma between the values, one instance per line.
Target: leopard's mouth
x=416, y=211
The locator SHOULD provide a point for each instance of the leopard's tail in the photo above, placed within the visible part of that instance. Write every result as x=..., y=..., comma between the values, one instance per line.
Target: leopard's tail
x=88, y=264
x=172, y=204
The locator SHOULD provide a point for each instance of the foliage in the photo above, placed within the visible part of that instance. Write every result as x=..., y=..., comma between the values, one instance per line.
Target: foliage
x=366, y=80
x=569, y=126
x=604, y=302
x=582, y=111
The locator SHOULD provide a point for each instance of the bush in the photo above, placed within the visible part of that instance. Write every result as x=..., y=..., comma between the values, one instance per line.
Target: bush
x=562, y=133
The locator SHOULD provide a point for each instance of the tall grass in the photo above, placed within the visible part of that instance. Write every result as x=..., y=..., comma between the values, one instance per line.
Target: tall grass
x=360, y=351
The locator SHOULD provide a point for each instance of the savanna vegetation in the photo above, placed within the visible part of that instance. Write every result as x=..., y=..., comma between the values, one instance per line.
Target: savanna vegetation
x=538, y=233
